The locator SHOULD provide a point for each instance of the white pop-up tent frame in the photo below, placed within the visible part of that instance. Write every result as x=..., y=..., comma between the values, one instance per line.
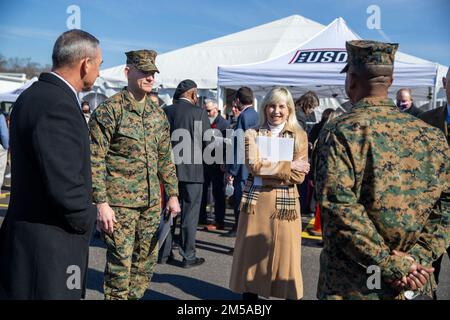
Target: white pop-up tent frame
x=316, y=64
x=199, y=62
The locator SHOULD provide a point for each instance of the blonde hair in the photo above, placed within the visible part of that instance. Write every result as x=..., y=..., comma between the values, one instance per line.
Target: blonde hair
x=274, y=96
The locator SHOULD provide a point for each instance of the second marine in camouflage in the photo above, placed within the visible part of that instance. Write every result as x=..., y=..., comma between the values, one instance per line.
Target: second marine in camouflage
x=382, y=182
x=131, y=154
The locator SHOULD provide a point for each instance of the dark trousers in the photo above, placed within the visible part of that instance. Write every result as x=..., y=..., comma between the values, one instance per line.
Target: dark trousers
x=437, y=265
x=214, y=175
x=190, y=196
x=237, y=196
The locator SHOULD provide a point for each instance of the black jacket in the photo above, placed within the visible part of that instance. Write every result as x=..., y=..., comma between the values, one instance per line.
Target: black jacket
x=414, y=111
x=183, y=115
x=44, y=239
x=436, y=118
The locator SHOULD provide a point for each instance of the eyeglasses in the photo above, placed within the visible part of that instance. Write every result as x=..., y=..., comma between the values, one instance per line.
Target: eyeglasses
x=210, y=110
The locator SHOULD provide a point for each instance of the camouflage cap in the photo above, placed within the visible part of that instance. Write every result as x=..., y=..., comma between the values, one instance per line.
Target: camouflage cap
x=367, y=52
x=144, y=60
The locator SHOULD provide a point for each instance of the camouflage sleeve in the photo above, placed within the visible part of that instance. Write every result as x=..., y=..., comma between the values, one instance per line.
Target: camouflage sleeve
x=435, y=236
x=346, y=222
x=166, y=167
x=101, y=127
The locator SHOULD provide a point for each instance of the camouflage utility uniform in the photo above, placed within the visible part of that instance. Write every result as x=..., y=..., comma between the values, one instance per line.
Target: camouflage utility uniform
x=383, y=182
x=382, y=178
x=131, y=153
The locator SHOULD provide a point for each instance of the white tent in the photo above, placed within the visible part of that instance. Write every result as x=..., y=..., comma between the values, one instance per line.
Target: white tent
x=316, y=65
x=11, y=81
x=199, y=62
x=12, y=95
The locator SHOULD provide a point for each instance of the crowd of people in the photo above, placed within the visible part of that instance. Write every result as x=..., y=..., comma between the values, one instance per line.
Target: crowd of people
x=378, y=174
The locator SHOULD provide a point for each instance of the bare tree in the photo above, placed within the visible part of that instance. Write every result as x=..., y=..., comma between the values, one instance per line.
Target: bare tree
x=22, y=65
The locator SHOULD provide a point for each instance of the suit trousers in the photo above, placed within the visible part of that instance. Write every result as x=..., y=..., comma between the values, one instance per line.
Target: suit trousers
x=190, y=196
x=437, y=265
x=216, y=176
x=237, y=196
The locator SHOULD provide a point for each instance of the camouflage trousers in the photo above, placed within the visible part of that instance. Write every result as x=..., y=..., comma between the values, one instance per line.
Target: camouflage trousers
x=132, y=252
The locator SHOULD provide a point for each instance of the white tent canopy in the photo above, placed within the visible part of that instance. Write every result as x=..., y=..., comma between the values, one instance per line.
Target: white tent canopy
x=199, y=62
x=12, y=96
x=11, y=81
x=316, y=65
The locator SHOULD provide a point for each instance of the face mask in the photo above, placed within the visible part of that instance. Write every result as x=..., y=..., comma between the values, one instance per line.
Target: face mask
x=402, y=105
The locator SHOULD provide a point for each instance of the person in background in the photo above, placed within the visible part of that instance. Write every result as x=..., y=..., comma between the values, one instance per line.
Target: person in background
x=184, y=115
x=304, y=108
x=214, y=173
x=405, y=102
x=234, y=114
x=4, y=146
x=267, y=254
x=327, y=115
x=86, y=110
x=237, y=173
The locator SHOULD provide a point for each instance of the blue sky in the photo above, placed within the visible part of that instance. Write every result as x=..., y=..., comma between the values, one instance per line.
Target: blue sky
x=28, y=28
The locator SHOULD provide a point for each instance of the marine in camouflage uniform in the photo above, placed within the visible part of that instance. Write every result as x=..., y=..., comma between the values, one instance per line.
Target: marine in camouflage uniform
x=382, y=177
x=131, y=153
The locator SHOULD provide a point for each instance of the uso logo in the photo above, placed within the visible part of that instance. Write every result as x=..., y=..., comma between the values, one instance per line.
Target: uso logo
x=320, y=56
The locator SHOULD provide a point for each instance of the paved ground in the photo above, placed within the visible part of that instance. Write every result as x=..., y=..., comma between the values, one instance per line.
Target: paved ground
x=210, y=281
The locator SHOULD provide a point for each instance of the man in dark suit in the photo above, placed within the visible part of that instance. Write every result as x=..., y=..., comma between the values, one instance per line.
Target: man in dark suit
x=213, y=171
x=237, y=171
x=440, y=118
x=405, y=102
x=188, y=124
x=44, y=239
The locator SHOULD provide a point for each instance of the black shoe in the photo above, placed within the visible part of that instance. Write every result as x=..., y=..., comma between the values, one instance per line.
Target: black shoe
x=230, y=234
x=193, y=263
x=169, y=260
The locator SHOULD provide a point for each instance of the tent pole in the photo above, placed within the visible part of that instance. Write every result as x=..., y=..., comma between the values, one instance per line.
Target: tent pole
x=220, y=98
x=435, y=87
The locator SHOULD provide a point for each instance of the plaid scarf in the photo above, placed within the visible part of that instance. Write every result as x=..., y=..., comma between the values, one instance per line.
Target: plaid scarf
x=284, y=203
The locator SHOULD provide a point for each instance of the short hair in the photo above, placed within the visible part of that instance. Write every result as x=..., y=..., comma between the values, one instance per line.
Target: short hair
x=72, y=46
x=309, y=100
x=84, y=103
x=405, y=89
x=329, y=114
x=245, y=95
x=213, y=102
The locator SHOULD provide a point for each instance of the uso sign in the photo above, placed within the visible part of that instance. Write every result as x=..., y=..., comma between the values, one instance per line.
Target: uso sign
x=320, y=56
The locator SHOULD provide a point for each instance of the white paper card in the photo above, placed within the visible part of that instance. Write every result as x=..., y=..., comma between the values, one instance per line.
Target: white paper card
x=275, y=149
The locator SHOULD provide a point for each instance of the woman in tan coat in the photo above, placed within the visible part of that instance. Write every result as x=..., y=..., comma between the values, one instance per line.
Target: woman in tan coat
x=267, y=254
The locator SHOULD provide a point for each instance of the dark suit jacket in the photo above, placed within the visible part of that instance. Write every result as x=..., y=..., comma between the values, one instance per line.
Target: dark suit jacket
x=414, y=111
x=183, y=115
x=248, y=119
x=44, y=239
x=436, y=118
